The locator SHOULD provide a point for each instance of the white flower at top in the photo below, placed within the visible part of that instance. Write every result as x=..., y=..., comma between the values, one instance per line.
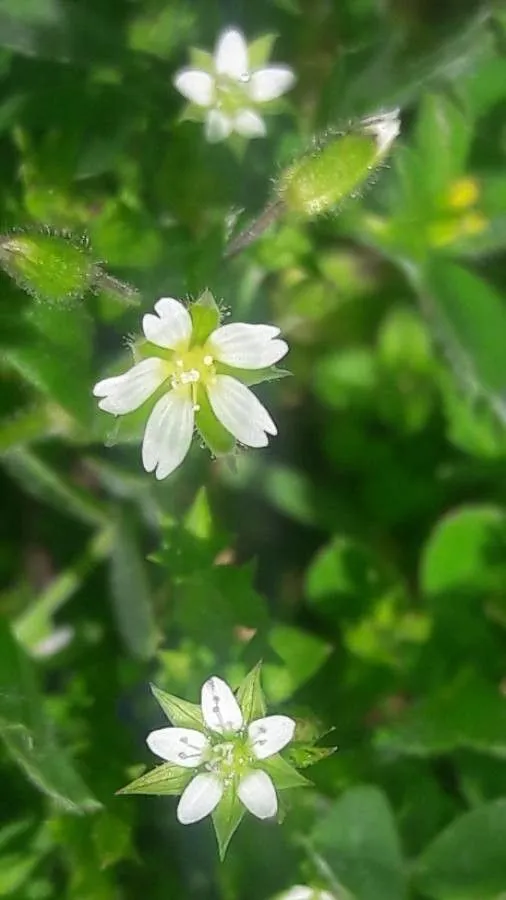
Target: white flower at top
x=191, y=374
x=226, y=754
x=232, y=90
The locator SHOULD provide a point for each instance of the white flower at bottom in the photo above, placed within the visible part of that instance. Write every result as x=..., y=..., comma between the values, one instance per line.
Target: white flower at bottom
x=192, y=373
x=228, y=754
x=232, y=90
x=304, y=892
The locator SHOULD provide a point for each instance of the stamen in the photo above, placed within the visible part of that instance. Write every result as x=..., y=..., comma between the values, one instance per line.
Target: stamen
x=208, y=360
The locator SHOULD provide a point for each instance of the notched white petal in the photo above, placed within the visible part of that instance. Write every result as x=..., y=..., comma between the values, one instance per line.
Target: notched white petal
x=240, y=412
x=168, y=434
x=171, y=327
x=249, y=124
x=199, y=798
x=218, y=126
x=385, y=128
x=220, y=709
x=270, y=734
x=267, y=84
x=231, y=57
x=181, y=746
x=256, y=791
x=124, y=393
x=195, y=85
x=247, y=346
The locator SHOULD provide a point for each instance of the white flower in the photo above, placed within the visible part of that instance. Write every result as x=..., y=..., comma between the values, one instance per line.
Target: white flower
x=232, y=91
x=227, y=754
x=191, y=374
x=303, y=892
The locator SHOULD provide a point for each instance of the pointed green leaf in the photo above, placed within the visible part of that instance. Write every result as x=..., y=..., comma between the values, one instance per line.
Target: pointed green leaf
x=250, y=695
x=180, y=712
x=260, y=50
x=253, y=376
x=130, y=590
x=283, y=773
x=467, y=860
x=205, y=316
x=308, y=756
x=165, y=779
x=201, y=59
x=226, y=818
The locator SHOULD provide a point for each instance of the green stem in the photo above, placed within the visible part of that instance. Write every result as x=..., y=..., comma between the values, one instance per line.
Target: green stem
x=267, y=217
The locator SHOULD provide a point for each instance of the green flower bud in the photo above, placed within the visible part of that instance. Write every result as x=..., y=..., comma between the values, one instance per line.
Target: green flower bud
x=53, y=267
x=320, y=180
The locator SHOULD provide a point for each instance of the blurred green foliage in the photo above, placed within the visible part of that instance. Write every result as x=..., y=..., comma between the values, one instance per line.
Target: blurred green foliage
x=362, y=556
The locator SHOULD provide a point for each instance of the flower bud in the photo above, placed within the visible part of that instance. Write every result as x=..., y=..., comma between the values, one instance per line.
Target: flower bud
x=52, y=267
x=320, y=180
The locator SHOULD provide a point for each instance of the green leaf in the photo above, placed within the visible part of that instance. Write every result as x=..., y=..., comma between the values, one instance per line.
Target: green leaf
x=205, y=316
x=201, y=59
x=467, y=713
x=465, y=553
x=180, y=712
x=250, y=695
x=253, y=376
x=212, y=432
x=113, y=839
x=164, y=779
x=308, y=756
x=302, y=655
x=260, y=50
x=283, y=773
x=469, y=317
x=130, y=590
x=443, y=137
x=467, y=860
x=29, y=735
x=358, y=841
x=226, y=818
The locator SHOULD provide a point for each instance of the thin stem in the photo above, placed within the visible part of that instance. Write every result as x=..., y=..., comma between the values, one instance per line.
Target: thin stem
x=270, y=214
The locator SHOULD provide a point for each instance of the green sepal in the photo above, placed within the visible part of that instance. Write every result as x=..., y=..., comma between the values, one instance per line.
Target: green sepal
x=201, y=59
x=54, y=267
x=205, y=316
x=212, y=432
x=304, y=756
x=283, y=774
x=260, y=50
x=250, y=695
x=253, y=376
x=164, y=779
x=180, y=712
x=226, y=818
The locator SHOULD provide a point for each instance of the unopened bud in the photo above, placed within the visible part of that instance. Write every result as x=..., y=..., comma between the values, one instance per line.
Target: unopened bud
x=320, y=180
x=52, y=267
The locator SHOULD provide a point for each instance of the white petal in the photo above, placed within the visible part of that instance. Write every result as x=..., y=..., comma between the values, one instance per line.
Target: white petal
x=247, y=346
x=168, y=433
x=218, y=126
x=231, y=56
x=298, y=892
x=199, y=798
x=256, y=791
x=220, y=709
x=124, y=393
x=385, y=128
x=171, y=327
x=181, y=746
x=249, y=124
x=195, y=85
x=270, y=735
x=240, y=412
x=267, y=84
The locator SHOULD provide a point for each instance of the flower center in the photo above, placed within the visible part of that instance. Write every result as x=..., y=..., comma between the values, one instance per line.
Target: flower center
x=228, y=760
x=230, y=93
x=191, y=368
